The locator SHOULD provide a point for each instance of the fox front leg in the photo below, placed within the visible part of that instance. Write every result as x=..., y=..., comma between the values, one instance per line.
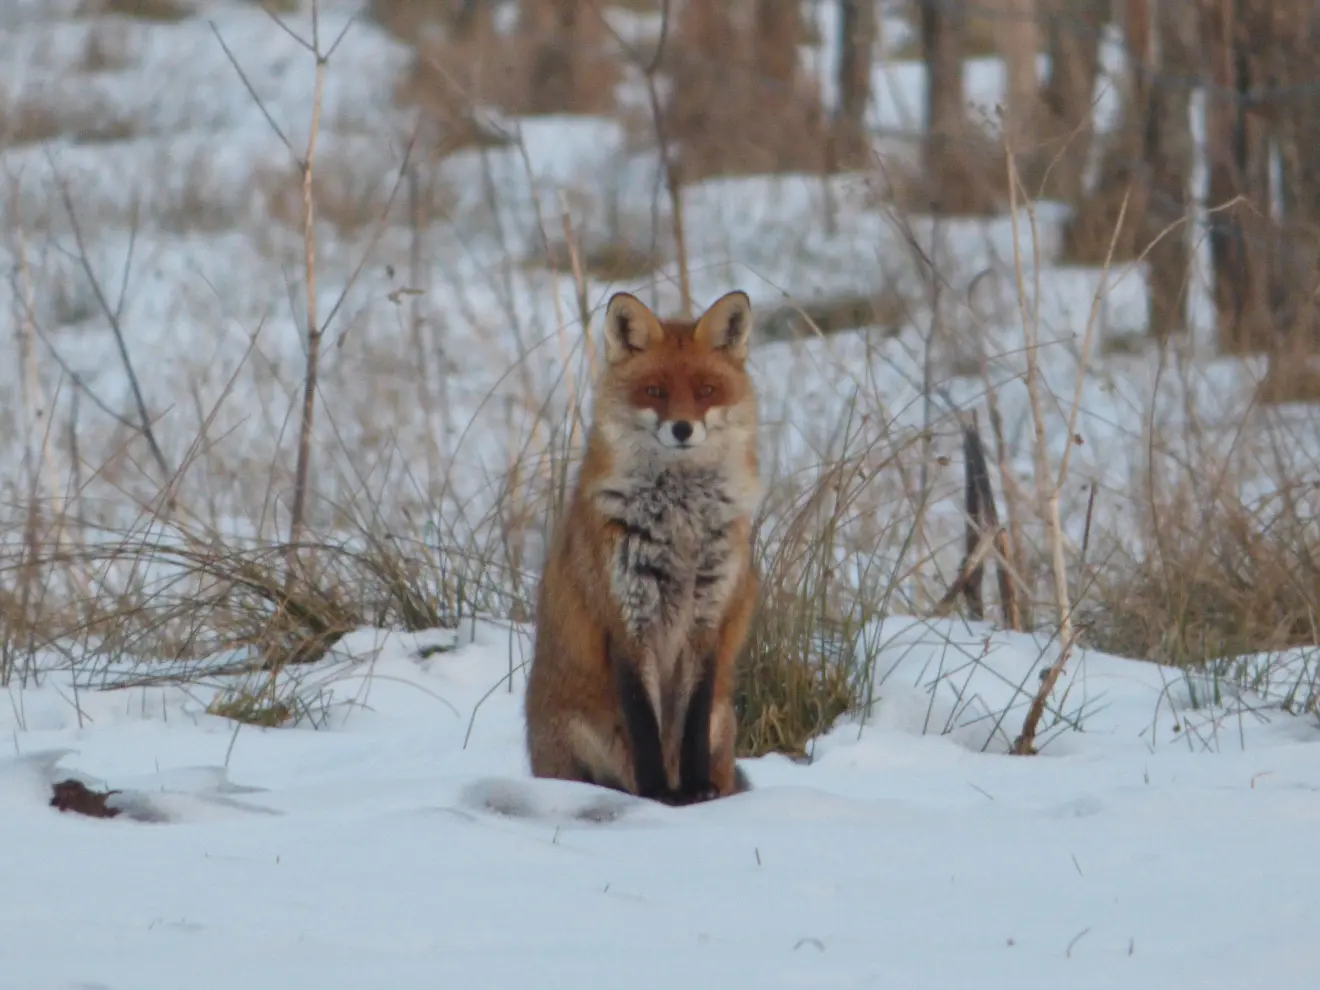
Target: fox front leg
x=642, y=724
x=695, y=783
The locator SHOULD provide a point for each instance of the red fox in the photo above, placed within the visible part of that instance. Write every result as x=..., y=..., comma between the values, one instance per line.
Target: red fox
x=649, y=586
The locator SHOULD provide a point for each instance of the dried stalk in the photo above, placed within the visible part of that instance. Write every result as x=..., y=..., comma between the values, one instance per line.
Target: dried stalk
x=314, y=329
x=1025, y=743
x=673, y=176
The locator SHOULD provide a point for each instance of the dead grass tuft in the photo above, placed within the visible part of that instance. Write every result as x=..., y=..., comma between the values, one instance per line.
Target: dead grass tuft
x=205, y=605
x=27, y=121
x=106, y=48
x=278, y=6
x=202, y=200
x=887, y=310
x=811, y=652
x=263, y=707
x=1212, y=578
x=160, y=11
x=451, y=81
x=32, y=118
x=613, y=261
x=350, y=195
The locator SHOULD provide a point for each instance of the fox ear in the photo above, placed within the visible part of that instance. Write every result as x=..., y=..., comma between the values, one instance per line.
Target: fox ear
x=630, y=327
x=727, y=325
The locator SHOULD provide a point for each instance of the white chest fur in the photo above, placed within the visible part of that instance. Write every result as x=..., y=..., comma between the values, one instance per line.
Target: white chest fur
x=675, y=566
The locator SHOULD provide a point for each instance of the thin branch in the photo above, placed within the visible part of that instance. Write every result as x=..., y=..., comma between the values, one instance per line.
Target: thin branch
x=247, y=84
x=314, y=331
x=112, y=315
x=1025, y=743
x=672, y=171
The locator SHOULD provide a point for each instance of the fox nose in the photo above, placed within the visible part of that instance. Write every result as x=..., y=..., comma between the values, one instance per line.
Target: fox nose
x=681, y=430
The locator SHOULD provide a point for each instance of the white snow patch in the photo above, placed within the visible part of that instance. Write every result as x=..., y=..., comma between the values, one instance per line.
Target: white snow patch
x=406, y=840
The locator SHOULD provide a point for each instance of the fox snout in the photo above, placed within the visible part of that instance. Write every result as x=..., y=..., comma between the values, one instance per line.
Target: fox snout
x=678, y=433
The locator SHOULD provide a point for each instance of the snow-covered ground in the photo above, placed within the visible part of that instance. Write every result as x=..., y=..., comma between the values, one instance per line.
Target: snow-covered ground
x=402, y=844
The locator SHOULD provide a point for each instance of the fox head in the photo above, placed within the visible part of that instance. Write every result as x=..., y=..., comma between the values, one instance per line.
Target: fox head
x=680, y=387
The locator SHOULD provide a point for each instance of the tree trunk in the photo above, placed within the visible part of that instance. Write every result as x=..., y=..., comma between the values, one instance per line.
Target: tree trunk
x=1073, y=30
x=1123, y=186
x=706, y=56
x=858, y=31
x=569, y=68
x=1233, y=146
x=553, y=84
x=1170, y=156
x=943, y=27
x=775, y=41
x=1286, y=71
x=737, y=104
x=1017, y=37
x=472, y=18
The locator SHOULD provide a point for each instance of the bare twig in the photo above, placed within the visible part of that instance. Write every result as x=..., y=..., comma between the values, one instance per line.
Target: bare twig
x=969, y=576
x=112, y=315
x=1048, y=491
x=672, y=170
x=314, y=330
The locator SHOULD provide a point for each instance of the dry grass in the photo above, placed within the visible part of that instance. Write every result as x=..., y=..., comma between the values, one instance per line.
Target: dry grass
x=887, y=310
x=351, y=196
x=278, y=6
x=195, y=197
x=27, y=121
x=160, y=11
x=809, y=660
x=837, y=551
x=36, y=117
x=971, y=180
x=254, y=708
x=218, y=606
x=106, y=48
x=611, y=261
x=450, y=80
x=1214, y=579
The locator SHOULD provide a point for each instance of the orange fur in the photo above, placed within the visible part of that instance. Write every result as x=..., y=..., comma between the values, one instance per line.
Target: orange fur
x=650, y=573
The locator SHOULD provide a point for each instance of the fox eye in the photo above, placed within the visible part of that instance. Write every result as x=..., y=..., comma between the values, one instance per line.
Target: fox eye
x=705, y=391
x=655, y=391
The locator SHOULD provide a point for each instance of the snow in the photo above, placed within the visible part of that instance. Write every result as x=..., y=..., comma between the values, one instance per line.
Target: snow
x=213, y=299
x=401, y=842
x=393, y=837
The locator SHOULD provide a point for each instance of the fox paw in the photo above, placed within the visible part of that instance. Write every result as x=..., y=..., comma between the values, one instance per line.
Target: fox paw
x=696, y=795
